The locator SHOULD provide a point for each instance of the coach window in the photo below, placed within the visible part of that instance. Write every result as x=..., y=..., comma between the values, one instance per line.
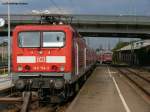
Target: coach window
x=29, y=39
x=53, y=39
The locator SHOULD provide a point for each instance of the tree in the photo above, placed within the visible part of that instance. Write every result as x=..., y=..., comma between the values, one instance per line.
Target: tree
x=119, y=45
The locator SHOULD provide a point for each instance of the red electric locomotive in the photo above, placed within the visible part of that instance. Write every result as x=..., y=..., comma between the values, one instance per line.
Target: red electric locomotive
x=49, y=59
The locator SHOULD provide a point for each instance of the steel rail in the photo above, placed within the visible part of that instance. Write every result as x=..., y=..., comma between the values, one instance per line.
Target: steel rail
x=26, y=102
x=136, y=74
x=134, y=82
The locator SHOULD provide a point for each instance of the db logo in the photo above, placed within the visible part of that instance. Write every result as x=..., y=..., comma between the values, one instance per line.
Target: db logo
x=40, y=59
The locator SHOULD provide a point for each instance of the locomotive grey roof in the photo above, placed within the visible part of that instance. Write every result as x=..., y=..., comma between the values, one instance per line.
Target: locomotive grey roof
x=136, y=45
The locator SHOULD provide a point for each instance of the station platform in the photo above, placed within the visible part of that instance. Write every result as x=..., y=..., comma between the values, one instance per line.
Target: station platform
x=5, y=82
x=107, y=91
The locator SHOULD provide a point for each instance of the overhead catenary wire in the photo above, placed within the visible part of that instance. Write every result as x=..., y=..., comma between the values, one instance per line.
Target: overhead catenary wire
x=72, y=4
x=77, y=6
x=56, y=6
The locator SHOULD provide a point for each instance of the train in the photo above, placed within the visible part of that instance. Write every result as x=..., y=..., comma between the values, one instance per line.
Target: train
x=136, y=53
x=51, y=60
x=105, y=57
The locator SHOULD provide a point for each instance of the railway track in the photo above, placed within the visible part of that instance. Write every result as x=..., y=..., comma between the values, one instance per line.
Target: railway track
x=137, y=79
x=29, y=103
x=25, y=105
x=42, y=109
x=142, y=76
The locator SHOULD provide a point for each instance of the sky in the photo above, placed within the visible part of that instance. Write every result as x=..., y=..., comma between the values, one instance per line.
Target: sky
x=100, y=7
x=94, y=7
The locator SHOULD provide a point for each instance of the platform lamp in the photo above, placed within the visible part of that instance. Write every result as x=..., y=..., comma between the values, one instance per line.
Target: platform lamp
x=8, y=3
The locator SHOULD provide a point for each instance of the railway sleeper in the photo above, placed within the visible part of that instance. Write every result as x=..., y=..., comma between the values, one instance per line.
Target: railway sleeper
x=27, y=101
x=14, y=100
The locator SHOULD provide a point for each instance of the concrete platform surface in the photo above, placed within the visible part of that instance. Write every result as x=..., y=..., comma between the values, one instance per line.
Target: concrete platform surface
x=102, y=93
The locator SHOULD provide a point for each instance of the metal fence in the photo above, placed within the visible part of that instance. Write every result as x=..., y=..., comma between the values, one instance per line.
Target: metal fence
x=3, y=57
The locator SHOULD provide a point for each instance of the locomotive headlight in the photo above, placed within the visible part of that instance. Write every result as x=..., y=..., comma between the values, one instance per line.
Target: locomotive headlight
x=40, y=52
x=59, y=84
x=20, y=68
x=62, y=68
x=27, y=67
x=54, y=67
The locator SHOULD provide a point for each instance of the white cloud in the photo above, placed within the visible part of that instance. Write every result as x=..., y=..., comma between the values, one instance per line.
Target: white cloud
x=60, y=10
x=53, y=10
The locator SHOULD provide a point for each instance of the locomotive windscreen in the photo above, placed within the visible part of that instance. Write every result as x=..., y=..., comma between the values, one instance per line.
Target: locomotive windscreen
x=29, y=39
x=41, y=39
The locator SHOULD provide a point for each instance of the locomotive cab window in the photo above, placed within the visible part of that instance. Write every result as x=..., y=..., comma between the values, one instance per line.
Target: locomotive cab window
x=41, y=39
x=29, y=39
x=53, y=39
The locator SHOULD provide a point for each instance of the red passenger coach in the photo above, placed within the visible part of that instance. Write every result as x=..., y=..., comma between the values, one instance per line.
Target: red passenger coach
x=50, y=59
x=107, y=57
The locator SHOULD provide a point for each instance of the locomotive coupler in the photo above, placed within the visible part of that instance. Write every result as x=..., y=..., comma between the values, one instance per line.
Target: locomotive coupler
x=29, y=85
x=40, y=84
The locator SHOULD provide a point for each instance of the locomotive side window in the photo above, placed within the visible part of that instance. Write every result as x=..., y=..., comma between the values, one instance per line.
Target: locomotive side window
x=29, y=39
x=53, y=39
